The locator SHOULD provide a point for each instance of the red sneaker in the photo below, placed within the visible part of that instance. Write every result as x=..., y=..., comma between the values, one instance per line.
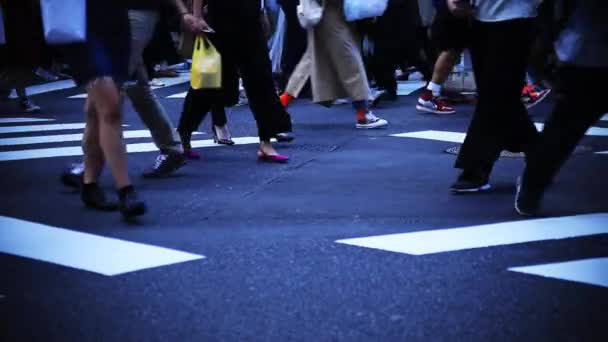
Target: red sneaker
x=432, y=104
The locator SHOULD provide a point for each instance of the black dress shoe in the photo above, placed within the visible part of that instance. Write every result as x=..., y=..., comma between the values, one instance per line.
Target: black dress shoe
x=471, y=181
x=527, y=201
x=73, y=176
x=94, y=197
x=284, y=137
x=130, y=204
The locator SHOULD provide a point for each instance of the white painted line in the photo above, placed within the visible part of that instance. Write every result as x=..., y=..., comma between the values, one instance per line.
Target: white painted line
x=507, y=233
x=46, y=87
x=408, y=87
x=587, y=271
x=79, y=96
x=45, y=139
x=605, y=117
x=43, y=128
x=178, y=95
x=21, y=120
x=171, y=81
x=168, y=81
x=603, y=152
x=457, y=137
x=83, y=251
x=434, y=135
x=592, y=131
x=131, y=148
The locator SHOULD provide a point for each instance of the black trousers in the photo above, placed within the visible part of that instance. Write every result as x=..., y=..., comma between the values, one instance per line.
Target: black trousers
x=499, y=52
x=572, y=115
x=240, y=40
x=395, y=36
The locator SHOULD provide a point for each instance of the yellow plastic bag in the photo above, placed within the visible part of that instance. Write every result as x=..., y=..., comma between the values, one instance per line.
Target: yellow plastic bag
x=206, y=65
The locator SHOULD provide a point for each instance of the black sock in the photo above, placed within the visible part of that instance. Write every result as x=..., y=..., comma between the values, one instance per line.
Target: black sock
x=122, y=192
x=89, y=187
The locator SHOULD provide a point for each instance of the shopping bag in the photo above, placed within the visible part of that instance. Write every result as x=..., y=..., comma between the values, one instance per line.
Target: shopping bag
x=64, y=21
x=2, y=36
x=364, y=9
x=309, y=13
x=206, y=70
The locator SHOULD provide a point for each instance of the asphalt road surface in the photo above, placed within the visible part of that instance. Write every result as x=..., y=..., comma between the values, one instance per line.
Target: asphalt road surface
x=353, y=240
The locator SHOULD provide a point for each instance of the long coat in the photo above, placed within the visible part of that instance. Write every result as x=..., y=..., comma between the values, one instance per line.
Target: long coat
x=337, y=63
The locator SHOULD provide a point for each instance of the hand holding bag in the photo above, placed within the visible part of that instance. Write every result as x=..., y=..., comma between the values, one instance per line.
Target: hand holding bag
x=64, y=21
x=310, y=13
x=206, y=70
x=364, y=9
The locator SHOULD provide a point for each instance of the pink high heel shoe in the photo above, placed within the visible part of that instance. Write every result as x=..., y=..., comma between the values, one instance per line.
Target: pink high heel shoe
x=275, y=158
x=190, y=154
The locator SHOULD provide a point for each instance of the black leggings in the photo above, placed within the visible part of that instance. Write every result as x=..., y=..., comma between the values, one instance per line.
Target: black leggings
x=196, y=106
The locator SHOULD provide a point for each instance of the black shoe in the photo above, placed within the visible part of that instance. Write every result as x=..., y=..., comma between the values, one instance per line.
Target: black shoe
x=73, y=176
x=130, y=205
x=284, y=137
x=471, y=181
x=28, y=106
x=527, y=202
x=95, y=198
x=165, y=164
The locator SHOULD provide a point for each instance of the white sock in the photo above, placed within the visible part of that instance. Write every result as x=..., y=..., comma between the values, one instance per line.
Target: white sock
x=434, y=88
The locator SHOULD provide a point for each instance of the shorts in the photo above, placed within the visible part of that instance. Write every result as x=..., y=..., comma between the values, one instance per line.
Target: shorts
x=106, y=52
x=449, y=32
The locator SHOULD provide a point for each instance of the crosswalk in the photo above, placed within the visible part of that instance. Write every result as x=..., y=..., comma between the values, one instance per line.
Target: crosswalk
x=17, y=141
x=590, y=271
x=459, y=137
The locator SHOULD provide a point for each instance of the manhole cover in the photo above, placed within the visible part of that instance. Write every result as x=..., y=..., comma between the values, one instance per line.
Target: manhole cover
x=507, y=154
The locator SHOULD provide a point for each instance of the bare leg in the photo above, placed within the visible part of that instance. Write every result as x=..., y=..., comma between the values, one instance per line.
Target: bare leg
x=107, y=103
x=93, y=155
x=444, y=65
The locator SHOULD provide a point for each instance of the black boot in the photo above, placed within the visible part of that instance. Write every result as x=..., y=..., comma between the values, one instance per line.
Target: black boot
x=94, y=197
x=72, y=177
x=130, y=204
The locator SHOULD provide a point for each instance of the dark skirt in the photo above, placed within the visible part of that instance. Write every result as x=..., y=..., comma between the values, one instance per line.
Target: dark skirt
x=107, y=49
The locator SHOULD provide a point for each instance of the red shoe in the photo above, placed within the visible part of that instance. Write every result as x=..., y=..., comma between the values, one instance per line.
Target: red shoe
x=275, y=158
x=189, y=154
x=286, y=99
x=531, y=96
x=431, y=104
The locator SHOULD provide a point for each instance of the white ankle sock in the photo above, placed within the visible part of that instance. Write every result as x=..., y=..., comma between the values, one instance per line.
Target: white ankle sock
x=434, y=88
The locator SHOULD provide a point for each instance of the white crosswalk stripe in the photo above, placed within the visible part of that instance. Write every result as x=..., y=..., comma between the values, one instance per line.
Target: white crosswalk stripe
x=45, y=139
x=21, y=120
x=46, y=87
x=168, y=81
x=458, y=137
x=499, y=234
x=178, y=95
x=587, y=271
x=75, y=150
x=88, y=252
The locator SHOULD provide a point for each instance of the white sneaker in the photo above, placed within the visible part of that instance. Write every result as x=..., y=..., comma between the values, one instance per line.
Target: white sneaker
x=155, y=82
x=371, y=121
x=341, y=102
